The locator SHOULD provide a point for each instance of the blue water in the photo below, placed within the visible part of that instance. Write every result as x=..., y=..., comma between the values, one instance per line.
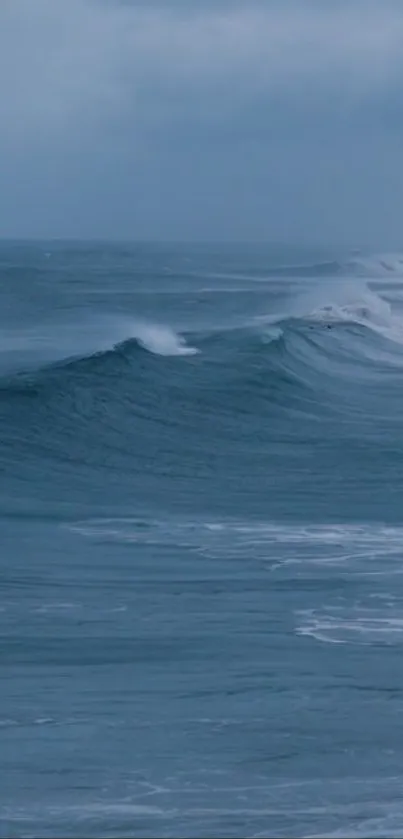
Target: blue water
x=201, y=495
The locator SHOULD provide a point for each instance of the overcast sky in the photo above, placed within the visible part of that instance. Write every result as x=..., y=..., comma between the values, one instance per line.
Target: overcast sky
x=202, y=119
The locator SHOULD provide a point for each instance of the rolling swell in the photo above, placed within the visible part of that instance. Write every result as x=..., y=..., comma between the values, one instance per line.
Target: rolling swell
x=277, y=354
x=125, y=399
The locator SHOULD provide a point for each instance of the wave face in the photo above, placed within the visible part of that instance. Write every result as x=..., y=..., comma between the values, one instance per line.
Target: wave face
x=120, y=366
x=201, y=483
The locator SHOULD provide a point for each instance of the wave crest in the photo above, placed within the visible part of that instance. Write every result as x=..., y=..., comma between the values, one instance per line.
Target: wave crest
x=161, y=340
x=344, y=303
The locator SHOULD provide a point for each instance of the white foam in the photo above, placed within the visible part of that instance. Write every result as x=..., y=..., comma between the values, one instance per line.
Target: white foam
x=351, y=625
x=370, y=549
x=364, y=308
x=24, y=349
x=271, y=334
x=161, y=340
x=343, y=301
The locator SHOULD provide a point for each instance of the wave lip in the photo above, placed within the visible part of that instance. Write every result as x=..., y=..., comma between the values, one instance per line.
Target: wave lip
x=161, y=340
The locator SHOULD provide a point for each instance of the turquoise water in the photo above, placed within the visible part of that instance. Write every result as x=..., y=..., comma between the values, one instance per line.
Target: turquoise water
x=201, y=476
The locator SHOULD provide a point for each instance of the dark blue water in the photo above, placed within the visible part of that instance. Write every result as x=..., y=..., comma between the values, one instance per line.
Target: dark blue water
x=201, y=495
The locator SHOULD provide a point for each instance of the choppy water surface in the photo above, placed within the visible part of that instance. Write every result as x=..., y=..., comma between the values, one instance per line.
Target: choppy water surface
x=201, y=486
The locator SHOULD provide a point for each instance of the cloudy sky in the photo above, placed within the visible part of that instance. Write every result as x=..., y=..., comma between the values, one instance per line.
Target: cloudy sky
x=202, y=119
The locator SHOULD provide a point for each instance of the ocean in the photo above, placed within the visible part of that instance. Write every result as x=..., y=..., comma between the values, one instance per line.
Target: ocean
x=201, y=501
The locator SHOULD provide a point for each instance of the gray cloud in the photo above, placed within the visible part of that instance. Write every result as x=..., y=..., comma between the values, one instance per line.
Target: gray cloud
x=218, y=108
